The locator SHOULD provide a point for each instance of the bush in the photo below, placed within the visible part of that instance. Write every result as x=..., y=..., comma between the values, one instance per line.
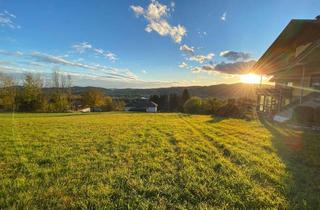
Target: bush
x=303, y=114
x=230, y=110
x=193, y=105
x=211, y=105
x=316, y=116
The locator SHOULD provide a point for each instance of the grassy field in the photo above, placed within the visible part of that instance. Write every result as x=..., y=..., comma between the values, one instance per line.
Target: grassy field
x=165, y=161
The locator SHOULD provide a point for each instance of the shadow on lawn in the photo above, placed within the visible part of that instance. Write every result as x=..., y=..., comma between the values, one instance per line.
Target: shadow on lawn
x=216, y=119
x=300, y=151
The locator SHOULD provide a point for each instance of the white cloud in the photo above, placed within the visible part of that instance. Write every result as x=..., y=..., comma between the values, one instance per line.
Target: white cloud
x=82, y=47
x=224, y=16
x=202, y=58
x=109, y=55
x=9, y=53
x=137, y=10
x=7, y=20
x=235, y=56
x=183, y=65
x=186, y=49
x=226, y=68
x=196, y=69
x=104, y=71
x=144, y=72
x=156, y=14
x=85, y=46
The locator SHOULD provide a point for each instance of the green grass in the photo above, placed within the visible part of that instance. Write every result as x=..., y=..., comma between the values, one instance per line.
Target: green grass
x=164, y=161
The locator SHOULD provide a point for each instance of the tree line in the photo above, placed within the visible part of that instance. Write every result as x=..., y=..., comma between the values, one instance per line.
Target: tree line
x=240, y=108
x=58, y=97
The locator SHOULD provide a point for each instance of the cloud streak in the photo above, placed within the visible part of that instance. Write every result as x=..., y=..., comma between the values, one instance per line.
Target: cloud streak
x=109, y=72
x=202, y=58
x=156, y=15
x=186, y=49
x=7, y=20
x=85, y=47
x=242, y=67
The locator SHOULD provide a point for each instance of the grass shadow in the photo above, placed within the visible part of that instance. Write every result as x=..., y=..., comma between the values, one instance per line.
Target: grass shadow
x=299, y=150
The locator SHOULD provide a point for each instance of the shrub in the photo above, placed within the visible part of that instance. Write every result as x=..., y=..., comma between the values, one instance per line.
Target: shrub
x=230, y=110
x=193, y=105
x=303, y=114
x=211, y=105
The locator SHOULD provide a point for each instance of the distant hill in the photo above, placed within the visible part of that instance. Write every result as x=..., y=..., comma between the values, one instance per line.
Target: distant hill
x=223, y=91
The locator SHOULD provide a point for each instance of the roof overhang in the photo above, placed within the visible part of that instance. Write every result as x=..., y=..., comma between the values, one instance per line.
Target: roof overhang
x=296, y=33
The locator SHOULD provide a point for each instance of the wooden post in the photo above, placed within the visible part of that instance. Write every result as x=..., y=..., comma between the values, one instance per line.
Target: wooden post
x=302, y=84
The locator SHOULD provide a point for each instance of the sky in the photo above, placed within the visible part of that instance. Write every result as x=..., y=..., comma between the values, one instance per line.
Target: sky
x=142, y=44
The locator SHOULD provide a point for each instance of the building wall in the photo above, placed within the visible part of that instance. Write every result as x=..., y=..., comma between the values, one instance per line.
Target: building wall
x=151, y=109
x=293, y=78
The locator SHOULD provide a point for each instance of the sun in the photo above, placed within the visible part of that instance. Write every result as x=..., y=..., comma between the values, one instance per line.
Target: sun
x=250, y=78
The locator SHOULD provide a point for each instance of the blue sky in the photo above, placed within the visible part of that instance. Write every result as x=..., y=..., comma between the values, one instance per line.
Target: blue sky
x=120, y=43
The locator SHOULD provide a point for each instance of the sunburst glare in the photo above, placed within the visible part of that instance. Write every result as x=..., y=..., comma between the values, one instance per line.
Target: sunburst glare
x=250, y=78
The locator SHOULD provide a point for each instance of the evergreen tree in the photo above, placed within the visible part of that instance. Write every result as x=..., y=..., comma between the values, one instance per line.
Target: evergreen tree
x=173, y=102
x=163, y=103
x=185, y=96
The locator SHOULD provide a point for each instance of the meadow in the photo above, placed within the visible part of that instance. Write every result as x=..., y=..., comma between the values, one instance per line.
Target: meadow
x=155, y=161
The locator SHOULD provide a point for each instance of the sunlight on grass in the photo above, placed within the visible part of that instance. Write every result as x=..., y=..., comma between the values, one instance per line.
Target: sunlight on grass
x=163, y=161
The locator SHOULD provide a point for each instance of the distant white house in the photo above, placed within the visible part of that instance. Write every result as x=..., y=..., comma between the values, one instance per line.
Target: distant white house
x=90, y=109
x=85, y=110
x=152, y=107
x=142, y=105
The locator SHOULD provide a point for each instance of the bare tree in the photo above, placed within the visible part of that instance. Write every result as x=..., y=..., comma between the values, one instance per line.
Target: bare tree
x=61, y=96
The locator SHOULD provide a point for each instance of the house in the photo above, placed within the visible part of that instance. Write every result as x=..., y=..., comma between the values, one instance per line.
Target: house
x=142, y=105
x=90, y=109
x=85, y=110
x=293, y=61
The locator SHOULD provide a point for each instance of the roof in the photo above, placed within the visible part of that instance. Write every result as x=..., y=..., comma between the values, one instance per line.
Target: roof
x=280, y=54
x=142, y=103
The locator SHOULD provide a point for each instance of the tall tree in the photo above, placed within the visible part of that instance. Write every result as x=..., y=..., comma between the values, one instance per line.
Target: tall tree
x=155, y=99
x=94, y=97
x=185, y=96
x=173, y=102
x=7, y=92
x=163, y=103
x=31, y=97
x=60, y=98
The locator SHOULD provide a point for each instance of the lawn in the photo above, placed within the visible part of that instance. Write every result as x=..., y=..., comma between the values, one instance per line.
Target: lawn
x=161, y=161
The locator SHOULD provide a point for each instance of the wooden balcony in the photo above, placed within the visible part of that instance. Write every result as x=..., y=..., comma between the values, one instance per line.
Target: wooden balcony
x=272, y=100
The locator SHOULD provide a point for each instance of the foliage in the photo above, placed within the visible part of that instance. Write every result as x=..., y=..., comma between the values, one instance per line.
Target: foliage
x=211, y=105
x=185, y=96
x=7, y=92
x=174, y=102
x=107, y=105
x=93, y=98
x=31, y=98
x=60, y=99
x=118, y=105
x=154, y=161
x=303, y=114
x=230, y=110
x=193, y=105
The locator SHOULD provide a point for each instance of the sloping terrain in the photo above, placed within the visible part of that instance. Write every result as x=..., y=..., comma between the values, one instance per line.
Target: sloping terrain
x=162, y=161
